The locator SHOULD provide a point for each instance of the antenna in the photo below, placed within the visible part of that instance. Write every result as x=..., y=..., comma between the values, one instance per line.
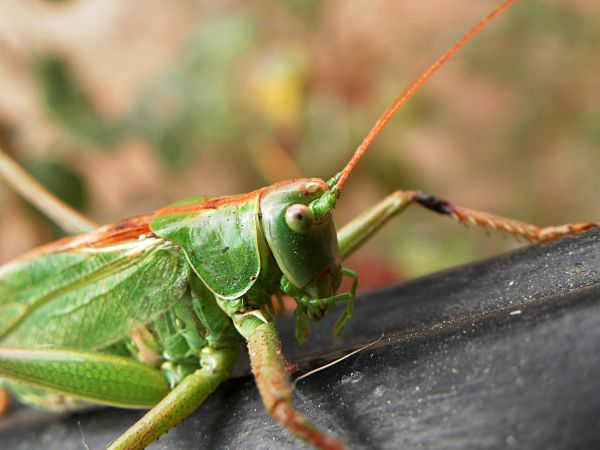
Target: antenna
x=403, y=97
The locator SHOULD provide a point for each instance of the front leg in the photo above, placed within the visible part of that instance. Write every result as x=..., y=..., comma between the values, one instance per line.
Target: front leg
x=315, y=308
x=270, y=372
x=355, y=233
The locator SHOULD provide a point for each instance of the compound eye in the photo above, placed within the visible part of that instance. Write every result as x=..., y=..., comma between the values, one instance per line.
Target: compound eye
x=299, y=218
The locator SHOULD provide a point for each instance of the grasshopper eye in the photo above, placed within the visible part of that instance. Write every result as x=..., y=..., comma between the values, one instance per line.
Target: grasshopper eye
x=299, y=218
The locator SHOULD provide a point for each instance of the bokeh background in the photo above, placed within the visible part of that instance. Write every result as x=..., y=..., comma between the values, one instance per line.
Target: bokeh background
x=123, y=106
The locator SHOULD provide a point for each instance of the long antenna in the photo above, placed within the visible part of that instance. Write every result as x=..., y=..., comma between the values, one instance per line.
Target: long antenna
x=403, y=97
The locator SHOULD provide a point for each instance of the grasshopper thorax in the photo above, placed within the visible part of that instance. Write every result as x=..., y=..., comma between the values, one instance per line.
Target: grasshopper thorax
x=304, y=246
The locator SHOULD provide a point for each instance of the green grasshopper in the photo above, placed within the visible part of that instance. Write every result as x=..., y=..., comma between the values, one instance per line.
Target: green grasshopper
x=150, y=312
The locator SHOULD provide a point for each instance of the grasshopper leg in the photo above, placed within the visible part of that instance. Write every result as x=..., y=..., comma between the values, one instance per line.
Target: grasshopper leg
x=308, y=305
x=96, y=377
x=270, y=372
x=120, y=381
x=484, y=219
x=347, y=297
x=355, y=233
x=217, y=364
x=347, y=314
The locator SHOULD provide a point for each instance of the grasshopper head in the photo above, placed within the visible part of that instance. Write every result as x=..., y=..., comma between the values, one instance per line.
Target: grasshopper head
x=297, y=215
x=303, y=243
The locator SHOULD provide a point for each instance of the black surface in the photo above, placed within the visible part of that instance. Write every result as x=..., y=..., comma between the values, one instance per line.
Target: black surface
x=498, y=354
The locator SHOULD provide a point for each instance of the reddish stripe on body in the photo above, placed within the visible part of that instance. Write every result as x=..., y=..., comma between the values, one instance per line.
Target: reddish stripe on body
x=124, y=230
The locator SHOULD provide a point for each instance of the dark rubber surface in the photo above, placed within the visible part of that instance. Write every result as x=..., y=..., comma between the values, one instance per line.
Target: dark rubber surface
x=500, y=354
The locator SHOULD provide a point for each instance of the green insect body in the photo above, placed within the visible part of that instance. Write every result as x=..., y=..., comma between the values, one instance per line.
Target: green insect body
x=150, y=312
x=149, y=294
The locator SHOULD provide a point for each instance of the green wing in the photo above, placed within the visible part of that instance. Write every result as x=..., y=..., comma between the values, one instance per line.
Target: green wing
x=88, y=297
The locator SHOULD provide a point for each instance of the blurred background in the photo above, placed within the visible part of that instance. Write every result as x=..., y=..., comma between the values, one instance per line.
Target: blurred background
x=122, y=106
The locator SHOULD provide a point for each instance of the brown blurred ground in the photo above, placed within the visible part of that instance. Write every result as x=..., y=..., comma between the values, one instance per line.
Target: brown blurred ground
x=122, y=106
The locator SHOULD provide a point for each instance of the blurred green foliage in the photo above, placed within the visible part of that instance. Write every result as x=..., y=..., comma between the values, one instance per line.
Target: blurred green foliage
x=273, y=90
x=192, y=107
x=67, y=103
x=188, y=108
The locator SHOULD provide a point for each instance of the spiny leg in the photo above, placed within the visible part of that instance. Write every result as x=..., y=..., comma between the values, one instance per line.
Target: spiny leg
x=484, y=219
x=355, y=233
x=181, y=401
x=270, y=372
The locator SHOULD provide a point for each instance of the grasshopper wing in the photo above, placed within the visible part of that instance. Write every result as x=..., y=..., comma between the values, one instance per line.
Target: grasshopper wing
x=89, y=291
